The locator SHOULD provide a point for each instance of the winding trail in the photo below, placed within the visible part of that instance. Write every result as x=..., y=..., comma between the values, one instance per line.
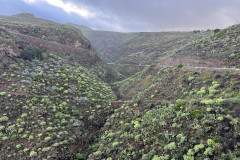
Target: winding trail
x=190, y=67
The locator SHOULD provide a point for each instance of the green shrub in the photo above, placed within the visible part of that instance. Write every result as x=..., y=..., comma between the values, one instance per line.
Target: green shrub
x=18, y=146
x=181, y=101
x=191, y=78
x=196, y=113
x=33, y=154
x=217, y=139
x=210, y=142
x=4, y=119
x=180, y=66
x=46, y=149
x=137, y=138
x=127, y=127
x=139, y=102
x=220, y=101
x=145, y=157
x=31, y=54
x=91, y=118
x=80, y=156
x=47, y=139
x=2, y=128
x=26, y=150
x=216, y=30
x=97, y=153
x=114, y=144
x=3, y=93
x=208, y=151
x=179, y=107
x=14, y=137
x=208, y=101
x=170, y=146
x=202, y=91
x=198, y=147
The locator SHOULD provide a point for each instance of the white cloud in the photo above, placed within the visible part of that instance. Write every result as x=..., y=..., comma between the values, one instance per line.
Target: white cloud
x=68, y=7
x=29, y=1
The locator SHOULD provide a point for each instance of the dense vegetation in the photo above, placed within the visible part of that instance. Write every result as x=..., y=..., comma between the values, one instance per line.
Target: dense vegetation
x=176, y=114
x=33, y=53
x=50, y=109
x=60, y=106
x=222, y=45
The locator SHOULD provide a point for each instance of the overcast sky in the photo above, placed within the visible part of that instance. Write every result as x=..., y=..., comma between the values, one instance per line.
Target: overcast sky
x=132, y=15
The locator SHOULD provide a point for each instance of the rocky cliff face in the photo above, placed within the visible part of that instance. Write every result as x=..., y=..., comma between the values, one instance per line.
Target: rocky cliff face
x=25, y=30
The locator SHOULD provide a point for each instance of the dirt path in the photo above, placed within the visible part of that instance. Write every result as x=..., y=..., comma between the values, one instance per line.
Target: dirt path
x=190, y=67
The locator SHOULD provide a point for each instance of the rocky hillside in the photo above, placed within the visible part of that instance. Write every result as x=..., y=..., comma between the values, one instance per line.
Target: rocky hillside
x=24, y=31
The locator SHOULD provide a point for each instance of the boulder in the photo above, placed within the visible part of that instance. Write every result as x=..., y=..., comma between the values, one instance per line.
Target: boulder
x=7, y=54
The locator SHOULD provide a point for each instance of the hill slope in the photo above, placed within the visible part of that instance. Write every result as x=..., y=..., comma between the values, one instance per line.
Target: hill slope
x=46, y=35
x=55, y=105
x=174, y=113
x=107, y=43
x=50, y=109
x=24, y=32
x=222, y=46
x=138, y=48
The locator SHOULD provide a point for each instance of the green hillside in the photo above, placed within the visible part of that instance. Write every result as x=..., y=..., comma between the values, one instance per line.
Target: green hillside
x=24, y=32
x=222, y=45
x=144, y=96
x=174, y=114
x=50, y=109
x=139, y=47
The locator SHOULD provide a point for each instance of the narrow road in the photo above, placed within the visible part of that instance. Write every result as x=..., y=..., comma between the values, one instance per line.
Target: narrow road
x=191, y=67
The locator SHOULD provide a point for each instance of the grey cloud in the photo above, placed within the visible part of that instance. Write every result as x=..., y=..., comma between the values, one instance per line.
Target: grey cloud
x=161, y=15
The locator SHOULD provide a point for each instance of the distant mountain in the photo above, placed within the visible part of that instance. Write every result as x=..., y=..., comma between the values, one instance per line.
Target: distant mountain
x=199, y=48
x=107, y=43
x=139, y=47
x=81, y=27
